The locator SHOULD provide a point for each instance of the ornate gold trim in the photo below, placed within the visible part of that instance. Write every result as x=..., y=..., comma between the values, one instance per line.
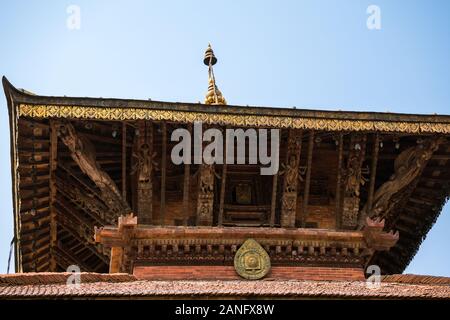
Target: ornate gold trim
x=105, y=113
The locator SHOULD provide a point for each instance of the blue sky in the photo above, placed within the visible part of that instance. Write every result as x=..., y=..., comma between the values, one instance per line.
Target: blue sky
x=308, y=54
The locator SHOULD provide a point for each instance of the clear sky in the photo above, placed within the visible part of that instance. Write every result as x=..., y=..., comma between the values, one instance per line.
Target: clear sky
x=308, y=54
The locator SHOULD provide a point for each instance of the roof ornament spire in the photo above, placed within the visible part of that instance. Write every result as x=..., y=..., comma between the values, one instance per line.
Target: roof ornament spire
x=213, y=96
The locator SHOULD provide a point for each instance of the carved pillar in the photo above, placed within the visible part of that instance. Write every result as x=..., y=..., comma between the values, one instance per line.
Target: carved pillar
x=290, y=181
x=143, y=168
x=353, y=181
x=205, y=198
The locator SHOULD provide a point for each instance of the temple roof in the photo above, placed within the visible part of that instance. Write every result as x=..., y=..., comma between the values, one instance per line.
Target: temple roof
x=53, y=285
x=413, y=221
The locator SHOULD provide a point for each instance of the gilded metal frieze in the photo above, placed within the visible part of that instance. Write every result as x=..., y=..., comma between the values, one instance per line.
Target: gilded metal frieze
x=124, y=113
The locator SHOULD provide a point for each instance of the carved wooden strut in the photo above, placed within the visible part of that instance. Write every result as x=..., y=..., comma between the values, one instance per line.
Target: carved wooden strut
x=83, y=153
x=407, y=167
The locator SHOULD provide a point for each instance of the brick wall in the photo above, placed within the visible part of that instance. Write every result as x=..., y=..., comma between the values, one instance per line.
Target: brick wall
x=324, y=216
x=229, y=273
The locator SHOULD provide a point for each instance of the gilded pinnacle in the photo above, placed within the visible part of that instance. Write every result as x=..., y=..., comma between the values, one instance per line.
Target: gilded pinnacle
x=213, y=96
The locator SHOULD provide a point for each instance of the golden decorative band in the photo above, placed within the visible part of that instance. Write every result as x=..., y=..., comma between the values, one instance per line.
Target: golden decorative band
x=105, y=113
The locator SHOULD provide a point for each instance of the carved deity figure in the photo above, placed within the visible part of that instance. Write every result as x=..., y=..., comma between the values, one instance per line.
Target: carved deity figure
x=207, y=179
x=291, y=174
x=145, y=164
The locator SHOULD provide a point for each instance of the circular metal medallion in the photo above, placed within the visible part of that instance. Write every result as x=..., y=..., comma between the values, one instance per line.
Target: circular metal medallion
x=251, y=260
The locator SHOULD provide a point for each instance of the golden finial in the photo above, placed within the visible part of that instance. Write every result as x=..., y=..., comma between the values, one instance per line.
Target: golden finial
x=213, y=96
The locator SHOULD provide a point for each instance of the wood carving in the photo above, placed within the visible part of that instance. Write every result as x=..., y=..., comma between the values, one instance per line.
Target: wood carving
x=205, y=199
x=143, y=168
x=291, y=177
x=407, y=167
x=353, y=181
x=86, y=201
x=83, y=153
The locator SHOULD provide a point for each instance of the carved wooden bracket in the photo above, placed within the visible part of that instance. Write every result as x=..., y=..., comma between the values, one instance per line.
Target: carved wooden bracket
x=118, y=239
x=376, y=238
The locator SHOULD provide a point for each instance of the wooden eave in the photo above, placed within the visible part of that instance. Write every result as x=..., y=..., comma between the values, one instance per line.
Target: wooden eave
x=416, y=219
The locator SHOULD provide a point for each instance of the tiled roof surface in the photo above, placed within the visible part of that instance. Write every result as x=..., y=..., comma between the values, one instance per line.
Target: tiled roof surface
x=43, y=278
x=416, y=279
x=52, y=285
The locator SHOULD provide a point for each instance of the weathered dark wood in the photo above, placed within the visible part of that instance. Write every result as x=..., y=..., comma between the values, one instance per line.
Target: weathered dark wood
x=307, y=179
x=353, y=180
x=163, y=172
x=205, y=195
x=124, y=161
x=340, y=141
x=291, y=175
x=186, y=186
x=143, y=169
x=222, y=193
x=373, y=170
x=186, y=195
x=53, y=213
x=408, y=166
x=273, y=202
x=83, y=153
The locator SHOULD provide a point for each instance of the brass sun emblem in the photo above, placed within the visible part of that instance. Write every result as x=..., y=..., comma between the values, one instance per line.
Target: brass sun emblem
x=251, y=260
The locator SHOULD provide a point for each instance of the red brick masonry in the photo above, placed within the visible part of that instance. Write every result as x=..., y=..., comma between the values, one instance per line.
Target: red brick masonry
x=229, y=273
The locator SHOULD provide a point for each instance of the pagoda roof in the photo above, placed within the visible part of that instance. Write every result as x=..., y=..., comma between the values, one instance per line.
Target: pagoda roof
x=413, y=222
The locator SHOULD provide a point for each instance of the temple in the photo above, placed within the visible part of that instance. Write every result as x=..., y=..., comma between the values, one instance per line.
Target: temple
x=94, y=186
